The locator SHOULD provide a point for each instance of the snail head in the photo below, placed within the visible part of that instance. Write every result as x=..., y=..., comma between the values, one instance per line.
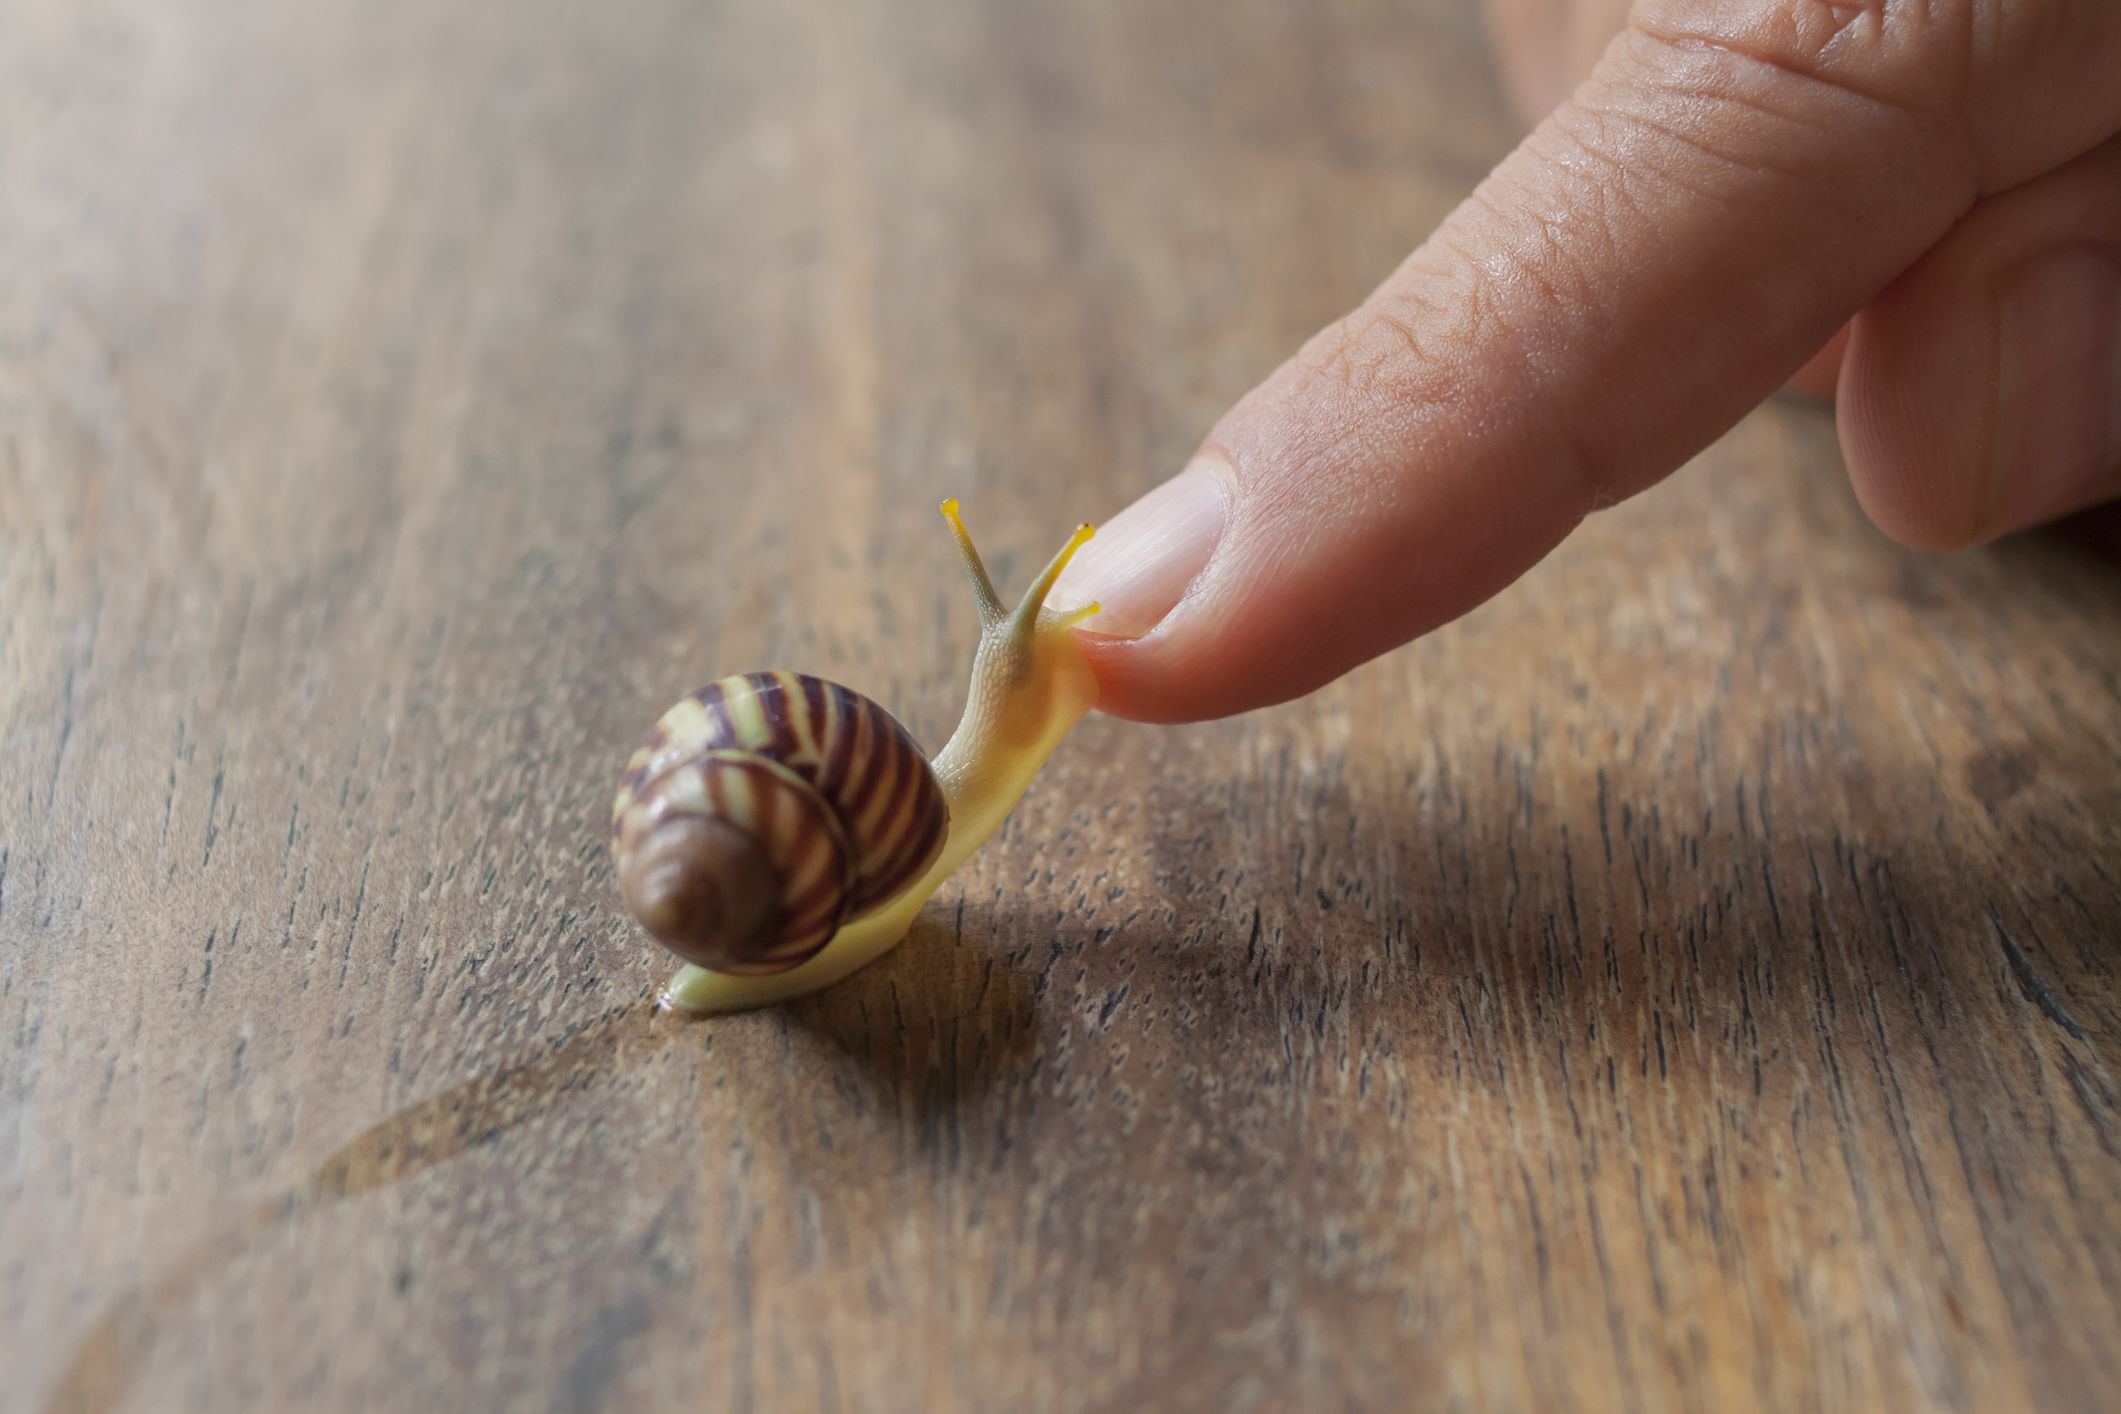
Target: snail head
x=1024, y=652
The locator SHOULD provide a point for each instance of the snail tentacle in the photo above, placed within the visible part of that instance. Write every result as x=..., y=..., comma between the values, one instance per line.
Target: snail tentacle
x=1069, y=618
x=983, y=595
x=1024, y=621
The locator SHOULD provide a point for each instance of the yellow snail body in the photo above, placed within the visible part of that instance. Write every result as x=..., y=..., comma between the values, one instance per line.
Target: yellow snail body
x=778, y=831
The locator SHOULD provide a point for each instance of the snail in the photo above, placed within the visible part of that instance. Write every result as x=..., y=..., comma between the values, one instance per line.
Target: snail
x=778, y=831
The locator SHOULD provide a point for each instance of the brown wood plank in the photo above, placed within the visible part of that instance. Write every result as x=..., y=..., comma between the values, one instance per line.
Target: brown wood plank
x=1689, y=981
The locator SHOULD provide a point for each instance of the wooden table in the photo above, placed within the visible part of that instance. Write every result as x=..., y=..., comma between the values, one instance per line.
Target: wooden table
x=1690, y=981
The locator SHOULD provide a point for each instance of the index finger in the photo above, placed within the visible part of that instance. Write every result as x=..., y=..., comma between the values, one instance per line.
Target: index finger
x=1733, y=182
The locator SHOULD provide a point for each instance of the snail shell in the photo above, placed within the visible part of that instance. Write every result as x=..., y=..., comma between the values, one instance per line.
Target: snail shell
x=765, y=809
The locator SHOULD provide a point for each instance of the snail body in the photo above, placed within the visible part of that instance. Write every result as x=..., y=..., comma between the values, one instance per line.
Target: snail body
x=778, y=831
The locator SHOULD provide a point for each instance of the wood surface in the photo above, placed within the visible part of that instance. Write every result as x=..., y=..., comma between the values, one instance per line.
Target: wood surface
x=1688, y=982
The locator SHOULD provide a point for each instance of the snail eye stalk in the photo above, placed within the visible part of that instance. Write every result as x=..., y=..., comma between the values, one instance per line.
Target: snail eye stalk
x=1025, y=619
x=990, y=603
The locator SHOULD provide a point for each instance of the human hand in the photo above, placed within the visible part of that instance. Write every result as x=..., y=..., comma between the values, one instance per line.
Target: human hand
x=1733, y=183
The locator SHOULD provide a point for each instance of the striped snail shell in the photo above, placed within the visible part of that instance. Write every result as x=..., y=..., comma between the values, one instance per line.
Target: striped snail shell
x=765, y=809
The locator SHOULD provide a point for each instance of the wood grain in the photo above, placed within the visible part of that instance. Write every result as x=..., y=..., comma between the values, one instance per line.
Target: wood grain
x=1688, y=982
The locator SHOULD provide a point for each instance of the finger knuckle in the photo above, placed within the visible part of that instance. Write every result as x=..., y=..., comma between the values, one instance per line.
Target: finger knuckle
x=1909, y=55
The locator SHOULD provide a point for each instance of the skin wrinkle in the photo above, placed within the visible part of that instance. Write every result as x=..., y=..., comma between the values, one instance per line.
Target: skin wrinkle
x=1382, y=317
x=1563, y=247
x=1408, y=380
x=1342, y=365
x=1596, y=198
x=1355, y=366
x=1754, y=164
x=1290, y=463
x=1497, y=268
x=1900, y=76
x=1554, y=447
x=1843, y=16
x=1553, y=276
x=1727, y=96
x=1481, y=324
x=1557, y=271
x=1788, y=60
x=1327, y=433
x=1359, y=374
x=1486, y=321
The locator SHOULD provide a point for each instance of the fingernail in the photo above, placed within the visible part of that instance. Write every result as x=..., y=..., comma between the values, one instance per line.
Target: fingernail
x=1143, y=560
x=2058, y=397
